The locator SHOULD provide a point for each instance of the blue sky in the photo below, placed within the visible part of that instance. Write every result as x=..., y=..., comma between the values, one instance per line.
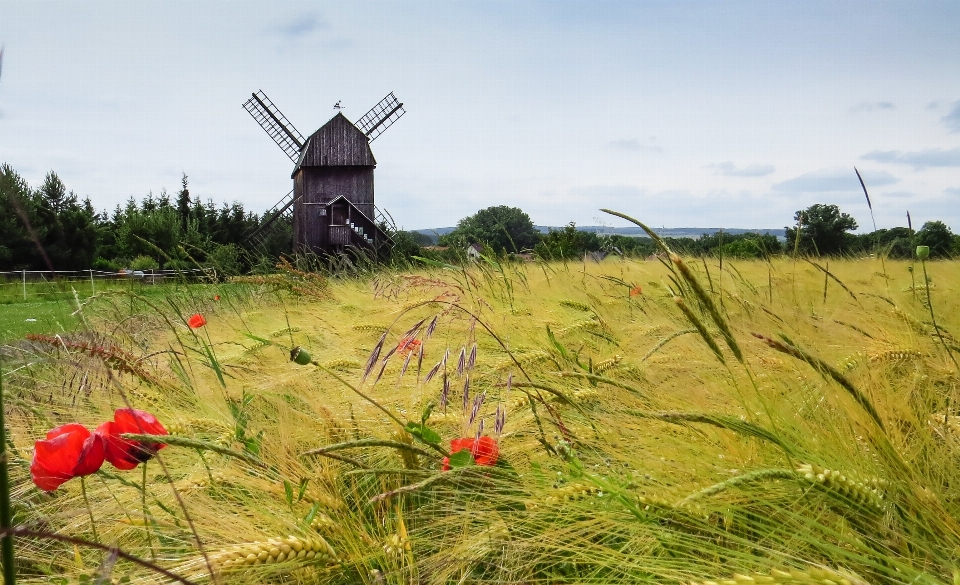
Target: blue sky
x=710, y=114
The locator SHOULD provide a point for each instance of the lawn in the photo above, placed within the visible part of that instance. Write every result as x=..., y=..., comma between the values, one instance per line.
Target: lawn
x=17, y=319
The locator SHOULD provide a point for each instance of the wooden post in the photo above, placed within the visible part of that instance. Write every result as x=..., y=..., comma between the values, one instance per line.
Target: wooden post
x=93, y=289
x=24, y=285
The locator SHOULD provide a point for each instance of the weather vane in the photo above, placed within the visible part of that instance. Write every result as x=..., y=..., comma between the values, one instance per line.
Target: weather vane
x=337, y=105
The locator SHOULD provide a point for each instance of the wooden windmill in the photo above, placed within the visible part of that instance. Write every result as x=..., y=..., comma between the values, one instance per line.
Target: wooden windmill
x=332, y=198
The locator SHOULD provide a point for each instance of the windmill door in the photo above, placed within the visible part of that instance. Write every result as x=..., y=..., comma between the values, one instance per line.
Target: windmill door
x=338, y=213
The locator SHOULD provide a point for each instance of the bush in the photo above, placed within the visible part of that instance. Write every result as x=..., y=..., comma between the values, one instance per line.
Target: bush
x=144, y=263
x=225, y=259
x=102, y=263
x=745, y=248
x=567, y=243
x=938, y=237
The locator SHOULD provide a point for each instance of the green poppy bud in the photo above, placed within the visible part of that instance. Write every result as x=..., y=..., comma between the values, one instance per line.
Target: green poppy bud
x=923, y=252
x=300, y=356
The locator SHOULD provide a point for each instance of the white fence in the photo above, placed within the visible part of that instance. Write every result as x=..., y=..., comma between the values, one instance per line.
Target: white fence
x=23, y=279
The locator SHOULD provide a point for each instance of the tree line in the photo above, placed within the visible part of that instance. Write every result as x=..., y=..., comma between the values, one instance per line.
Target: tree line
x=51, y=228
x=819, y=230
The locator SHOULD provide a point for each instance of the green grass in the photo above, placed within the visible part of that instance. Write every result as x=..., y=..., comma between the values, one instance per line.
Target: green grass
x=50, y=306
x=19, y=319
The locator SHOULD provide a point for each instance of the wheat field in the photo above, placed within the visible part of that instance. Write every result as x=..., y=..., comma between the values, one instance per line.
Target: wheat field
x=668, y=421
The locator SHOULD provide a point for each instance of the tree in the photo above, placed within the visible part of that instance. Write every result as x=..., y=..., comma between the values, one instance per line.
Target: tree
x=502, y=228
x=18, y=251
x=823, y=229
x=420, y=239
x=566, y=243
x=153, y=233
x=938, y=236
x=183, y=203
x=750, y=246
x=406, y=245
x=897, y=242
x=67, y=229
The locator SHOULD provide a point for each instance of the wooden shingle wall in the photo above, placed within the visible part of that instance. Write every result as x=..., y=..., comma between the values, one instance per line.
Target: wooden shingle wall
x=337, y=143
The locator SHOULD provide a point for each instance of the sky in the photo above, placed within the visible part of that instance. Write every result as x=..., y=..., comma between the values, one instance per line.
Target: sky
x=728, y=114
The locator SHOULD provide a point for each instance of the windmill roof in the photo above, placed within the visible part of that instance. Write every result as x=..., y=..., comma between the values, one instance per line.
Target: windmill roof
x=338, y=143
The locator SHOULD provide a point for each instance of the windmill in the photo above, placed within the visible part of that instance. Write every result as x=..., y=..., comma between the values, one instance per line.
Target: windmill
x=331, y=202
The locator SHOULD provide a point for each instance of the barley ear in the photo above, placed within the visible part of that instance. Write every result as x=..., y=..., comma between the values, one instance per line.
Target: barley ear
x=701, y=329
x=707, y=301
x=826, y=370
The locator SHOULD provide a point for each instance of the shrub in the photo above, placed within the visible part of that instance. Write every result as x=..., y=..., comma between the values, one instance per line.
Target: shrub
x=143, y=263
x=102, y=263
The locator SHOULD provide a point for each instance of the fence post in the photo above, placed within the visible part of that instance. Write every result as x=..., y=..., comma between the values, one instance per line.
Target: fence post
x=24, y=285
x=93, y=289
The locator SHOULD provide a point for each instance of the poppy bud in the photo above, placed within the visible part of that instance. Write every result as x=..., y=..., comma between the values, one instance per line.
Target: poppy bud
x=300, y=356
x=923, y=252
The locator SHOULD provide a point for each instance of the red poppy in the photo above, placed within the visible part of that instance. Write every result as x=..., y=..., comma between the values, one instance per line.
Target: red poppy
x=408, y=344
x=216, y=297
x=485, y=450
x=69, y=451
x=196, y=321
x=636, y=291
x=124, y=454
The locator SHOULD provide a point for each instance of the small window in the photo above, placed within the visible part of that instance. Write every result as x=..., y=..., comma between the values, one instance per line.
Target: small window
x=323, y=211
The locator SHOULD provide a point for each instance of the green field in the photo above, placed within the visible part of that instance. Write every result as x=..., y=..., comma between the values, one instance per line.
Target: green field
x=19, y=319
x=49, y=307
x=664, y=422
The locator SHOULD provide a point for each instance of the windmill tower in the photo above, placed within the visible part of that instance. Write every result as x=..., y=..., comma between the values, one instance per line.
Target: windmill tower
x=332, y=201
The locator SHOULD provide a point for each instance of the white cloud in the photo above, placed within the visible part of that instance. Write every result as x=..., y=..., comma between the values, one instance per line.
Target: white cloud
x=931, y=157
x=828, y=180
x=871, y=106
x=755, y=170
x=302, y=25
x=952, y=120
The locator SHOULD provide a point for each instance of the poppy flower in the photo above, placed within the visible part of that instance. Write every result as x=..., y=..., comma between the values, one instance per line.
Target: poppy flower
x=69, y=451
x=126, y=454
x=216, y=297
x=636, y=291
x=196, y=321
x=407, y=345
x=485, y=450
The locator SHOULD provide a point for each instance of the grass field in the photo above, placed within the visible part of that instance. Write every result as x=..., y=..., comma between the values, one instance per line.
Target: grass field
x=656, y=422
x=49, y=306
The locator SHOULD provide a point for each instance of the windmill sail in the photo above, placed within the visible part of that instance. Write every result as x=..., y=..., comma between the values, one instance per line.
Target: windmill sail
x=281, y=209
x=380, y=117
x=275, y=124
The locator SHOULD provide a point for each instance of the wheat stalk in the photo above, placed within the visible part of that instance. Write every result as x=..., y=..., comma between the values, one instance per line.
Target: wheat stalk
x=291, y=551
x=811, y=576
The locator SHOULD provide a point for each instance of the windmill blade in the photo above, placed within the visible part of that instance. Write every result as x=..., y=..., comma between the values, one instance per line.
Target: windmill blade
x=279, y=209
x=275, y=124
x=380, y=117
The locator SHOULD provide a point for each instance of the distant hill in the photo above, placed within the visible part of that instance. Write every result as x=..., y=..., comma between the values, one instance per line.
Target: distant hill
x=635, y=232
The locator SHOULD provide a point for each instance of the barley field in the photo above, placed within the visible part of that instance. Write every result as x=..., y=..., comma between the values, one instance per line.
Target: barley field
x=671, y=421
